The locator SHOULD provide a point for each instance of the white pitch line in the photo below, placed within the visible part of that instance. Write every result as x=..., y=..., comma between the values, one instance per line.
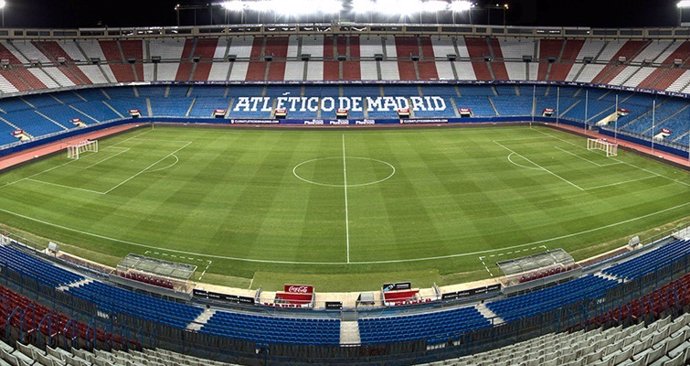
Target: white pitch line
x=542, y=168
x=581, y=157
x=145, y=169
x=205, y=269
x=108, y=158
x=37, y=174
x=623, y=182
x=620, y=161
x=393, y=261
x=347, y=213
x=64, y=186
x=131, y=137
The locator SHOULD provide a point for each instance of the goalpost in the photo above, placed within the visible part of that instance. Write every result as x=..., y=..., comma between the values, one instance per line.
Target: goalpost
x=609, y=148
x=74, y=151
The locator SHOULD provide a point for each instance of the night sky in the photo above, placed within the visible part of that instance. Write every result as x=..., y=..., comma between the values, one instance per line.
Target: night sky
x=91, y=13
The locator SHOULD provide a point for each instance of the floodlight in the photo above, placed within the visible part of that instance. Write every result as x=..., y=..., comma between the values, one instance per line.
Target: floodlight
x=683, y=4
x=261, y=6
x=363, y=6
x=305, y=7
x=233, y=5
x=2, y=4
x=327, y=6
x=434, y=6
x=460, y=6
x=400, y=7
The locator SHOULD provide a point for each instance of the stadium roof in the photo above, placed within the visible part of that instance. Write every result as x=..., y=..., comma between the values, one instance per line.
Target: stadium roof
x=124, y=13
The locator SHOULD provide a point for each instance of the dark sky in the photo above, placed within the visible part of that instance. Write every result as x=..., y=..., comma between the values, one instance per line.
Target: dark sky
x=89, y=13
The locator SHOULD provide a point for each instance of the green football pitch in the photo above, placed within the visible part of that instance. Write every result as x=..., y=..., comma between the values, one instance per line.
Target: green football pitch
x=341, y=209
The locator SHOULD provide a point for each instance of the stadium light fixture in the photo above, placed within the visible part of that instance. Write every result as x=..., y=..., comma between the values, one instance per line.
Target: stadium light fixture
x=399, y=7
x=262, y=5
x=434, y=6
x=327, y=6
x=3, y=3
x=306, y=7
x=683, y=4
x=364, y=6
x=233, y=5
x=460, y=6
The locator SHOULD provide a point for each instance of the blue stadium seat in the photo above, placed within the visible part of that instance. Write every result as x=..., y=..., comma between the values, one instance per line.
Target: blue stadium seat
x=153, y=91
x=513, y=105
x=47, y=273
x=114, y=300
x=306, y=331
x=124, y=105
x=207, y=91
x=33, y=123
x=98, y=110
x=204, y=106
x=64, y=115
x=170, y=107
x=585, y=288
x=434, y=327
x=650, y=262
x=118, y=92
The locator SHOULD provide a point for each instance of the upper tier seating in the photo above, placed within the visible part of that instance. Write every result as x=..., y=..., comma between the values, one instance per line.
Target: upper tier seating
x=476, y=59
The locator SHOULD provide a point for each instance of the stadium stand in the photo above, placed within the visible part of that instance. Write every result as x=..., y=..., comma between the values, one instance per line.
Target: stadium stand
x=621, y=62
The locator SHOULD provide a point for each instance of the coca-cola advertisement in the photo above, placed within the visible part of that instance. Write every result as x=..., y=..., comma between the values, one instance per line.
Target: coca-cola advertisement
x=299, y=289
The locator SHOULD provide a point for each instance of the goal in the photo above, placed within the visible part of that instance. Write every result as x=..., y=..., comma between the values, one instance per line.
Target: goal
x=74, y=151
x=609, y=148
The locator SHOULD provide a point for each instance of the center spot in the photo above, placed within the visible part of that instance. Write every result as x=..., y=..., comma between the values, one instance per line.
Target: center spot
x=330, y=172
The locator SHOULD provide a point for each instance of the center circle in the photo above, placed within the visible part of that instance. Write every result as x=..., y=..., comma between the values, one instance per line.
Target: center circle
x=335, y=171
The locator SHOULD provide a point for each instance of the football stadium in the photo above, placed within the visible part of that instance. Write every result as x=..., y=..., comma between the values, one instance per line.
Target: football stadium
x=315, y=182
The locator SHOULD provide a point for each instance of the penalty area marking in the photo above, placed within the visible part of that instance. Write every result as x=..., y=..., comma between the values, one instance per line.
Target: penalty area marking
x=618, y=160
x=393, y=261
x=539, y=166
x=177, y=160
x=294, y=172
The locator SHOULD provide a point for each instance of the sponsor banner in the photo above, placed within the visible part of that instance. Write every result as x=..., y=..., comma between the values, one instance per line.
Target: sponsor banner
x=449, y=296
x=222, y=297
x=314, y=122
x=397, y=286
x=339, y=122
x=365, y=122
x=426, y=120
x=298, y=289
x=334, y=305
x=255, y=121
x=470, y=292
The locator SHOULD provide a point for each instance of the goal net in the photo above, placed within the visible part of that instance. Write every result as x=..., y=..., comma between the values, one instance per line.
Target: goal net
x=609, y=148
x=74, y=151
